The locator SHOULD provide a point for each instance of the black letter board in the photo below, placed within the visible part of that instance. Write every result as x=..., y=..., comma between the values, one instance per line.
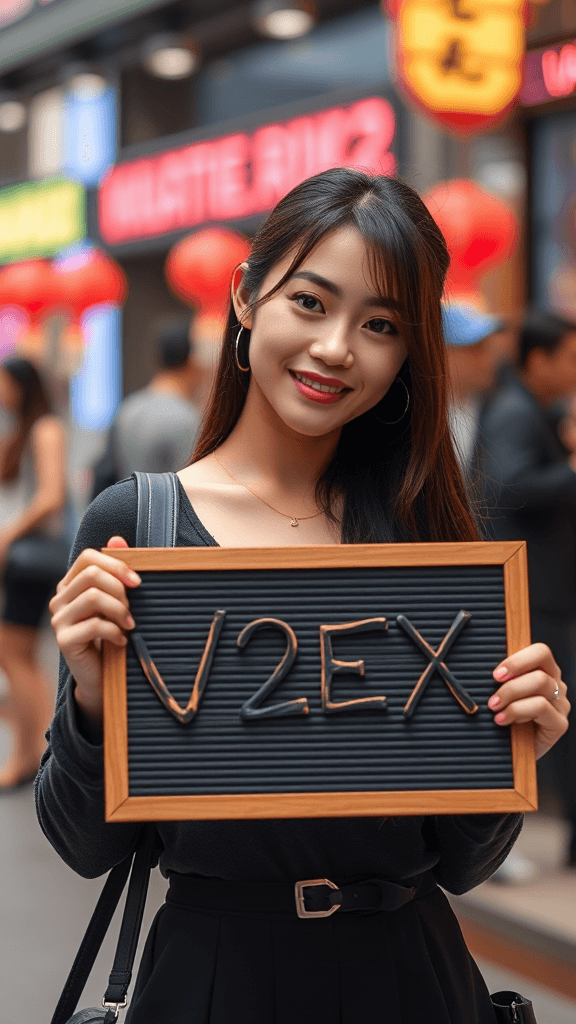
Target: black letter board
x=317, y=682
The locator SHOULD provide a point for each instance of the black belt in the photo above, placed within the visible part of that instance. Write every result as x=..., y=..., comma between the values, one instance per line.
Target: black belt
x=312, y=898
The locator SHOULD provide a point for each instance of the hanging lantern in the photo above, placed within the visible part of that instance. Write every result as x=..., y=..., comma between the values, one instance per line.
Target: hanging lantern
x=480, y=232
x=31, y=285
x=88, y=278
x=460, y=61
x=199, y=268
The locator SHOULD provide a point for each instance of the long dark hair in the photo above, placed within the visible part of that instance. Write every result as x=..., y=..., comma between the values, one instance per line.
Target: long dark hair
x=34, y=403
x=401, y=481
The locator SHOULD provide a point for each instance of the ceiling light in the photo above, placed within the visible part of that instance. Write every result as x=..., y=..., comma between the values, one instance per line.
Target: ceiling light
x=86, y=85
x=12, y=116
x=171, y=57
x=285, y=19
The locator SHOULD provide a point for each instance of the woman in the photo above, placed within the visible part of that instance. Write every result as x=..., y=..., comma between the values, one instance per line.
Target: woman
x=327, y=425
x=32, y=498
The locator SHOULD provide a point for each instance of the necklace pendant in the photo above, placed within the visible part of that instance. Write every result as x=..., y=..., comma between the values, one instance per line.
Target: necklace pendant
x=293, y=522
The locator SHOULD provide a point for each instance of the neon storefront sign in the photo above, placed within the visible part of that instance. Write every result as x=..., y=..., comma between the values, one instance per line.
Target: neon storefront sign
x=559, y=70
x=549, y=74
x=243, y=174
x=38, y=218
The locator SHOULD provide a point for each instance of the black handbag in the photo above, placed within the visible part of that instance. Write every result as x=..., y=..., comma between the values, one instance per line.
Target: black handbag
x=512, y=1008
x=156, y=527
x=37, y=558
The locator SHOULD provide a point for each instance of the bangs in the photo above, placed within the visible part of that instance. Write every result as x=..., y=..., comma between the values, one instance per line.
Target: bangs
x=301, y=248
x=393, y=267
x=395, y=272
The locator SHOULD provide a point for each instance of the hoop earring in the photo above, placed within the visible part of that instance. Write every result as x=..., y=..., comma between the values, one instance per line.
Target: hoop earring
x=391, y=423
x=245, y=369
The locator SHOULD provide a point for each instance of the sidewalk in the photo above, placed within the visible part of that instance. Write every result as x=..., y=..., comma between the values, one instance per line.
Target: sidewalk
x=529, y=929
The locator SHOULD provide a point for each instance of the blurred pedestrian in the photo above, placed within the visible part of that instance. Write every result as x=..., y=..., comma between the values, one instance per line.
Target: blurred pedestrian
x=530, y=491
x=567, y=426
x=471, y=367
x=32, y=555
x=477, y=346
x=155, y=428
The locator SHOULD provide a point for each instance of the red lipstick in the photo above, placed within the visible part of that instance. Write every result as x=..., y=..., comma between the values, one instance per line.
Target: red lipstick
x=330, y=382
x=324, y=397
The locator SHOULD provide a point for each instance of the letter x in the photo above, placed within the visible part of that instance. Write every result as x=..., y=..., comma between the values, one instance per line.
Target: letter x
x=437, y=664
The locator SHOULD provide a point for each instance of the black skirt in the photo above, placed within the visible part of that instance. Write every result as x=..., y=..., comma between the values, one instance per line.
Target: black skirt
x=206, y=965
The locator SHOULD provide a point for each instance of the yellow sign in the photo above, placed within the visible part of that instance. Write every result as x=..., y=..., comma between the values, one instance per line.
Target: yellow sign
x=462, y=56
x=39, y=218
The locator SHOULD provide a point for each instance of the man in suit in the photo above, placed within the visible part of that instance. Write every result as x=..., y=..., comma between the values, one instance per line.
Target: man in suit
x=530, y=490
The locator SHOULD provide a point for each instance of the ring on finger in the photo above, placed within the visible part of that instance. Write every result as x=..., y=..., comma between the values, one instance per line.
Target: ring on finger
x=556, y=694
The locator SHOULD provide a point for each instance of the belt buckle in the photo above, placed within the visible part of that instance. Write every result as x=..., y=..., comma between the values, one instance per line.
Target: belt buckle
x=299, y=893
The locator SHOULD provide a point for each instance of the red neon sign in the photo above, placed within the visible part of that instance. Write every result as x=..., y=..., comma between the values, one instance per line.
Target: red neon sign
x=549, y=74
x=559, y=70
x=239, y=175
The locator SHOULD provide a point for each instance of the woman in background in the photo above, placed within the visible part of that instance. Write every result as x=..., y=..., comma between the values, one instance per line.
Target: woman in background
x=32, y=500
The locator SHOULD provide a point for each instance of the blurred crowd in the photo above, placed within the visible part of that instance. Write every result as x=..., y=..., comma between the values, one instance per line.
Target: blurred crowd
x=513, y=406
x=153, y=430
x=513, y=418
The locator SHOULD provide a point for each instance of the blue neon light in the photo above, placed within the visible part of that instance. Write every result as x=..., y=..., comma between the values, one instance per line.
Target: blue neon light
x=96, y=389
x=90, y=136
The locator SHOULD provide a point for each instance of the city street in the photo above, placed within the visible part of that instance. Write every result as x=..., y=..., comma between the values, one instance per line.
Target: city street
x=277, y=264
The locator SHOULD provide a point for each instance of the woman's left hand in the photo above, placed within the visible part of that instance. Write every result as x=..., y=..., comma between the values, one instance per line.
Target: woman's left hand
x=531, y=690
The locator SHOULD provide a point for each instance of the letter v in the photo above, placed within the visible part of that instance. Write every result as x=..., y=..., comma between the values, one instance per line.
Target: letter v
x=183, y=715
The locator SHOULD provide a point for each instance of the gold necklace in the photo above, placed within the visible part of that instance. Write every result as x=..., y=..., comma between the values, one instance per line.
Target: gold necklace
x=293, y=520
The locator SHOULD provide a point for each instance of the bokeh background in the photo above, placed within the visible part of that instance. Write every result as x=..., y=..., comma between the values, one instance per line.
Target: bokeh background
x=141, y=144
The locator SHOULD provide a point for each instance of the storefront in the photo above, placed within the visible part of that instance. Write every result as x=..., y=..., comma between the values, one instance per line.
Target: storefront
x=168, y=120
x=147, y=202
x=549, y=112
x=262, y=118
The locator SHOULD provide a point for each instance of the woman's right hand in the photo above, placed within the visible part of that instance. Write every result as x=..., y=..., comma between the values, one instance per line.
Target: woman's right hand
x=91, y=605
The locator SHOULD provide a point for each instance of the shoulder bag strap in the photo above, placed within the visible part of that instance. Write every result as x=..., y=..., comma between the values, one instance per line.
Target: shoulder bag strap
x=121, y=973
x=141, y=863
x=156, y=526
x=157, y=510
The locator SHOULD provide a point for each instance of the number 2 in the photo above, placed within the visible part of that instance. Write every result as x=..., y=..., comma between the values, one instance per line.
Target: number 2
x=251, y=708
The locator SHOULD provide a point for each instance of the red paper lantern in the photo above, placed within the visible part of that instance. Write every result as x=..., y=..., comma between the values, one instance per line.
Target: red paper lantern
x=90, y=278
x=480, y=231
x=32, y=285
x=199, y=268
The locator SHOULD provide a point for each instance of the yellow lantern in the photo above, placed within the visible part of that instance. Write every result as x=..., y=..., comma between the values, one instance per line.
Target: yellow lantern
x=461, y=60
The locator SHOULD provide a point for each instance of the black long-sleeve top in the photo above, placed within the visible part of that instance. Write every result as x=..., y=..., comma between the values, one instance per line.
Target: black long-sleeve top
x=462, y=850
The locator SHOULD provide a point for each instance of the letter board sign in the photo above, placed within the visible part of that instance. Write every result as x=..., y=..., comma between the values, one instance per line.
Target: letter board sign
x=317, y=682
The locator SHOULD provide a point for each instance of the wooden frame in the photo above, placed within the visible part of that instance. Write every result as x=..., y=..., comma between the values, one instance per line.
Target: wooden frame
x=120, y=806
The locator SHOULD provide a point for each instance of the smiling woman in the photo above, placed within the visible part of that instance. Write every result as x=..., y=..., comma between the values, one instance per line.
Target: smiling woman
x=342, y=292
x=327, y=425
